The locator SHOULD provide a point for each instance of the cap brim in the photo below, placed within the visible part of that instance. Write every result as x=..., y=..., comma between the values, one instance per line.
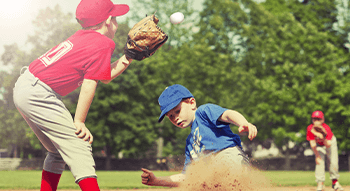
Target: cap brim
x=119, y=10
x=167, y=109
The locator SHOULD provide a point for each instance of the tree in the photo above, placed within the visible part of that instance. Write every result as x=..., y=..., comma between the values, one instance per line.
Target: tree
x=341, y=106
x=12, y=127
x=344, y=23
x=297, y=66
x=329, y=12
x=294, y=66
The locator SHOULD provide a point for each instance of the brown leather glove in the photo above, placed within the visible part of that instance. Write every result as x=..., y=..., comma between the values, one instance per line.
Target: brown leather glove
x=144, y=39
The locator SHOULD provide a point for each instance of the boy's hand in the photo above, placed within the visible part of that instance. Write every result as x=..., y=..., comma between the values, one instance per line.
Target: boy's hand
x=148, y=177
x=319, y=135
x=83, y=132
x=318, y=160
x=248, y=128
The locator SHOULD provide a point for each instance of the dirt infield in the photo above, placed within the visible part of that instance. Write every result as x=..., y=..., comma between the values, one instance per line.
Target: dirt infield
x=221, y=175
x=303, y=188
x=299, y=188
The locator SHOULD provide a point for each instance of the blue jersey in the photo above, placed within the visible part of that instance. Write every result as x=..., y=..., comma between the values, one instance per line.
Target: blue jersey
x=208, y=134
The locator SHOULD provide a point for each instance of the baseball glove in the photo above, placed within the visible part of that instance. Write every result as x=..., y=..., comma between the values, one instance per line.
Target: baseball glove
x=318, y=128
x=144, y=39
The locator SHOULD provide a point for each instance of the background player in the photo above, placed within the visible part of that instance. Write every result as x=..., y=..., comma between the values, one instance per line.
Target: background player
x=210, y=132
x=323, y=147
x=83, y=59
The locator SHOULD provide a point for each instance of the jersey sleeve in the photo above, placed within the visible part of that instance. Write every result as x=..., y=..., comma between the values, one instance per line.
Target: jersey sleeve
x=329, y=131
x=212, y=113
x=309, y=136
x=99, y=68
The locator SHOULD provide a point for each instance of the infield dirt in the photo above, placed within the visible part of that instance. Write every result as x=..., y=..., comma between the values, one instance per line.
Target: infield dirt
x=299, y=188
x=222, y=174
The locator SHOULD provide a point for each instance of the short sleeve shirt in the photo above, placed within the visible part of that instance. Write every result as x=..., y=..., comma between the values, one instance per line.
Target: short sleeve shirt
x=208, y=134
x=310, y=136
x=84, y=55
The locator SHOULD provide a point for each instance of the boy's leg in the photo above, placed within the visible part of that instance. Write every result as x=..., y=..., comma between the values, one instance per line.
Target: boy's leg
x=53, y=125
x=320, y=168
x=233, y=155
x=65, y=147
x=49, y=181
x=89, y=184
x=332, y=154
x=54, y=165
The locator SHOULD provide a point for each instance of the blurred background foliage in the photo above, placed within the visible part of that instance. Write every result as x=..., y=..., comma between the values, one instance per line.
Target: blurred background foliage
x=275, y=61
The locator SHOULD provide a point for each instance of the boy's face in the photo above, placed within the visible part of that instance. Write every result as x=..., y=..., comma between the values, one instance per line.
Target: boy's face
x=112, y=28
x=321, y=120
x=183, y=114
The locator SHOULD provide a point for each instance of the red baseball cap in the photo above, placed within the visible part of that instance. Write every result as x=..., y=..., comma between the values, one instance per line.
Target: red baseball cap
x=317, y=114
x=93, y=12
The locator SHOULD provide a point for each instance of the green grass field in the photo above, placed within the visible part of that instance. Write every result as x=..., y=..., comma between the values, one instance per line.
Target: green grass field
x=132, y=179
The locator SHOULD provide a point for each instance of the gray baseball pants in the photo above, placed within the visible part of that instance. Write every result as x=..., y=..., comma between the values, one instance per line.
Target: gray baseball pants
x=47, y=116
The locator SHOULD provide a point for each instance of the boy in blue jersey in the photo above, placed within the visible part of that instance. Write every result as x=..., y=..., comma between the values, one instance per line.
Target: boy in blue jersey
x=210, y=132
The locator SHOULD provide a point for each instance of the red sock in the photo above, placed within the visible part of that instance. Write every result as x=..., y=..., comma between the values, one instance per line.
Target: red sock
x=89, y=184
x=334, y=181
x=49, y=181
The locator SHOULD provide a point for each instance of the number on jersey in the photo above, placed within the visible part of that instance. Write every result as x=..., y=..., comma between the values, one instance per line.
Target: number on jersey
x=53, y=55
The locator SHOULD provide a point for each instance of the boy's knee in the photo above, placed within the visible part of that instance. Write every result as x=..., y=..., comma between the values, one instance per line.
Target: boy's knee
x=80, y=179
x=54, y=163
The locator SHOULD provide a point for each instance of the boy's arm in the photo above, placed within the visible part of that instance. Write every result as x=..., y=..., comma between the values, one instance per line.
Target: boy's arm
x=234, y=117
x=317, y=134
x=86, y=96
x=118, y=67
x=313, y=145
x=322, y=136
x=148, y=178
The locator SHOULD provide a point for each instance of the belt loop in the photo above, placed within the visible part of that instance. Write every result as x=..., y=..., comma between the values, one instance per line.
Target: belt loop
x=35, y=81
x=23, y=69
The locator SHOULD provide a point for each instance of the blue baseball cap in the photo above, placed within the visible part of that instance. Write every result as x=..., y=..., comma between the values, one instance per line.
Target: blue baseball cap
x=171, y=97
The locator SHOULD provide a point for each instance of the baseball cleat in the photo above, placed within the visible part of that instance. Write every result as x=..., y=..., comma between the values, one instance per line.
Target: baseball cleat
x=337, y=187
x=320, y=186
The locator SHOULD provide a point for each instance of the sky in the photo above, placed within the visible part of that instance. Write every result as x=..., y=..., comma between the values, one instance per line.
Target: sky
x=16, y=17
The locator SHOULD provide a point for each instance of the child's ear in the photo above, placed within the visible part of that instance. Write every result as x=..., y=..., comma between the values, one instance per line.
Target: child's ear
x=108, y=21
x=193, y=102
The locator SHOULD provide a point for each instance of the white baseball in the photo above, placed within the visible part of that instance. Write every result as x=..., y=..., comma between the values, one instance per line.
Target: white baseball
x=177, y=18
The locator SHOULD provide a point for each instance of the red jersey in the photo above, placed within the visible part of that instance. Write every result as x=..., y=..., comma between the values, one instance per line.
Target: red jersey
x=311, y=136
x=84, y=55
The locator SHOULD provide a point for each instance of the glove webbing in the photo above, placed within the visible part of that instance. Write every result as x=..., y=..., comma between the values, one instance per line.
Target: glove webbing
x=145, y=52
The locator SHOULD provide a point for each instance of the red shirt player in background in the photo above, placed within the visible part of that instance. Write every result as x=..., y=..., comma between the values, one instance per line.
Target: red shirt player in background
x=83, y=60
x=323, y=147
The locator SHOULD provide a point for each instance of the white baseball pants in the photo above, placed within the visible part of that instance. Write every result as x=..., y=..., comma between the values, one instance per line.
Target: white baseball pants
x=52, y=123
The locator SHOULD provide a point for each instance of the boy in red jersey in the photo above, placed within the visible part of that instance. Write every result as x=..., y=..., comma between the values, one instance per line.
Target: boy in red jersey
x=323, y=147
x=83, y=59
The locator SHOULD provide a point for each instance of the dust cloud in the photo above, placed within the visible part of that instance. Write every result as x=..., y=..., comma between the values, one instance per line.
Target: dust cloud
x=219, y=174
